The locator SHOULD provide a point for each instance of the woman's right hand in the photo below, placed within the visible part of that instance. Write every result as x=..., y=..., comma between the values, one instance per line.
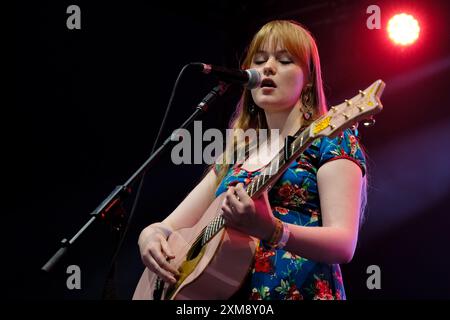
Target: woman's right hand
x=155, y=253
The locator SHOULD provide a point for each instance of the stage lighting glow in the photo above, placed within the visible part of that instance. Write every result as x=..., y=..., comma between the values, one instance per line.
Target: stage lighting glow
x=403, y=29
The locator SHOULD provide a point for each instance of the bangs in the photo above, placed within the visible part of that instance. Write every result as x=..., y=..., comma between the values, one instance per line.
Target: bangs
x=284, y=35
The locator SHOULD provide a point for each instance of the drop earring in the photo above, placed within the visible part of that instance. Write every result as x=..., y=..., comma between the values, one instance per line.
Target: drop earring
x=307, y=98
x=307, y=115
x=251, y=109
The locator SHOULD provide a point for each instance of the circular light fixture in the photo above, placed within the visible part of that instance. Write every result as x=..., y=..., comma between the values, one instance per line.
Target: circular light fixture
x=403, y=29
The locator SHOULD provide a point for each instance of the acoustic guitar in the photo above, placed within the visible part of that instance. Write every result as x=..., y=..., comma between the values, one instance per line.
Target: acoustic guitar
x=213, y=260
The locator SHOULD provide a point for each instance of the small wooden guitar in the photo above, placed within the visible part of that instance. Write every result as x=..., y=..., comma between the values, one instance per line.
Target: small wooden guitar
x=213, y=260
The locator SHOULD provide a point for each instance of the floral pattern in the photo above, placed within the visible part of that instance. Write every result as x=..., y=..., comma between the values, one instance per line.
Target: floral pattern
x=279, y=274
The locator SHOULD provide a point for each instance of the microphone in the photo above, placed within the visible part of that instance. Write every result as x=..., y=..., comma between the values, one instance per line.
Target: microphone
x=249, y=78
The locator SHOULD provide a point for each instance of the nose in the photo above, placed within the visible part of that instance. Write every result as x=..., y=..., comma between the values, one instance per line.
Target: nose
x=269, y=67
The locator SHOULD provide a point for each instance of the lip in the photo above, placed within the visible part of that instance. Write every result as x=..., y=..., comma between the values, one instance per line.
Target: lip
x=267, y=89
x=268, y=80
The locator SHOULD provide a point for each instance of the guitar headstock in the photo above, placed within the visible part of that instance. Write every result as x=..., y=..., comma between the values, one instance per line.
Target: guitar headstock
x=344, y=115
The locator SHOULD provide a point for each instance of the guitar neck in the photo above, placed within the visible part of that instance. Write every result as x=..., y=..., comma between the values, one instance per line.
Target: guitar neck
x=280, y=163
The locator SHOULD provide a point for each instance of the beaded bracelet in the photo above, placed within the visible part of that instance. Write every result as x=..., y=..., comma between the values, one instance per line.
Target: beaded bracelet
x=276, y=235
x=279, y=237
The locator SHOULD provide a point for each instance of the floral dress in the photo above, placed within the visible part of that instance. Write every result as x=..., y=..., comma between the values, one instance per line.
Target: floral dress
x=278, y=274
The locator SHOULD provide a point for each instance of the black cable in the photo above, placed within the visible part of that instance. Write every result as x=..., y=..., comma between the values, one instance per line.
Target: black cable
x=111, y=270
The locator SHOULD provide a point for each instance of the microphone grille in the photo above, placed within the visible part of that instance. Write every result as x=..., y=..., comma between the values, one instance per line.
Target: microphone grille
x=254, y=78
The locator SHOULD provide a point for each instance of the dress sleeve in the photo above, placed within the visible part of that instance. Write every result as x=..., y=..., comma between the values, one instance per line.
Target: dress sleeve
x=344, y=146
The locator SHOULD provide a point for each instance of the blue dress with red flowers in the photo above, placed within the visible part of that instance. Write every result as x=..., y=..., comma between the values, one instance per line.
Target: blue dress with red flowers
x=279, y=274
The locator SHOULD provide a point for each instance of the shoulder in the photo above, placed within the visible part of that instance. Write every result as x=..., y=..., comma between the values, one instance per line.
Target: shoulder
x=345, y=145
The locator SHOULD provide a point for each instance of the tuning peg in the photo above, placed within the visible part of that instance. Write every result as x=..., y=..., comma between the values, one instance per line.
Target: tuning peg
x=362, y=93
x=348, y=102
x=369, y=122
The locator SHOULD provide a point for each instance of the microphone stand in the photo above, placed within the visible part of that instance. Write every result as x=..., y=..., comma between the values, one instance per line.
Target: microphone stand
x=111, y=207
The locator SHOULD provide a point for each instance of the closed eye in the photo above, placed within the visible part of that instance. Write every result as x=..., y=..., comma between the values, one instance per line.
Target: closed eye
x=259, y=61
x=281, y=61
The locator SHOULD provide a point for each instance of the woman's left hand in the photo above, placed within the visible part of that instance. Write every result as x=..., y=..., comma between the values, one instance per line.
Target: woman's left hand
x=252, y=217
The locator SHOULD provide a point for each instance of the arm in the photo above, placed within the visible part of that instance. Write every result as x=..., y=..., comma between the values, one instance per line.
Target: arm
x=190, y=210
x=153, y=245
x=339, y=183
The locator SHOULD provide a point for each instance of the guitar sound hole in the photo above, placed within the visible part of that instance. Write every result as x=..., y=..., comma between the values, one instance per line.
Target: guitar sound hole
x=194, y=251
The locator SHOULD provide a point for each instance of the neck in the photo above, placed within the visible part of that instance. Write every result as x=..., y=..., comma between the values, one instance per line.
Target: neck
x=288, y=121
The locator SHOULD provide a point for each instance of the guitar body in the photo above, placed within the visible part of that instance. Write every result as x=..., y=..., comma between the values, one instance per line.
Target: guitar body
x=215, y=271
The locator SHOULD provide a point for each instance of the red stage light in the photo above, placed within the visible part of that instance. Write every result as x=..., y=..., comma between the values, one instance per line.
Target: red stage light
x=403, y=29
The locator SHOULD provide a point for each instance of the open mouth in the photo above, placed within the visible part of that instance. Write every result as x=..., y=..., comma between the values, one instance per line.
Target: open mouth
x=268, y=83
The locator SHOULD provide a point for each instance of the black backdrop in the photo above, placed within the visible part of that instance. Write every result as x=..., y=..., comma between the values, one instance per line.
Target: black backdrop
x=88, y=104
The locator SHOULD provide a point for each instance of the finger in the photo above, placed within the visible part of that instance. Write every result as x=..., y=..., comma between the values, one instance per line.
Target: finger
x=228, y=215
x=162, y=262
x=241, y=193
x=227, y=200
x=234, y=203
x=231, y=197
x=226, y=210
x=230, y=192
x=166, y=250
x=151, y=263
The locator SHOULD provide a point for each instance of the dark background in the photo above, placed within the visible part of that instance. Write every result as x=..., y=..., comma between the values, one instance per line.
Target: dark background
x=88, y=104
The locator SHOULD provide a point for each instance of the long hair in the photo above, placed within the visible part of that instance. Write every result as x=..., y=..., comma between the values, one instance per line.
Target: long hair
x=299, y=42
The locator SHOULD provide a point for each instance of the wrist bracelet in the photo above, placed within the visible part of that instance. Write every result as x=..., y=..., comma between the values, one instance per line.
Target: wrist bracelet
x=285, y=236
x=276, y=235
